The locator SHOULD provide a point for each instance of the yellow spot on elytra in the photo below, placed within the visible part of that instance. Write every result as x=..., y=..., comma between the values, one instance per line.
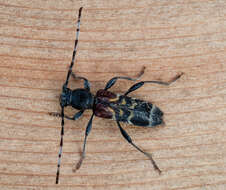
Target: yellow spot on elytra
x=113, y=99
x=120, y=112
x=130, y=117
x=113, y=113
x=123, y=101
x=133, y=105
x=111, y=110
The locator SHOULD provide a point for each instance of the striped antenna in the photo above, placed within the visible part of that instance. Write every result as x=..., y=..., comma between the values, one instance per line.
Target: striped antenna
x=75, y=47
x=64, y=87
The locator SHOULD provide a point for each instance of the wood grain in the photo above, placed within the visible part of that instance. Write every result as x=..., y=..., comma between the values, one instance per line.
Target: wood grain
x=117, y=38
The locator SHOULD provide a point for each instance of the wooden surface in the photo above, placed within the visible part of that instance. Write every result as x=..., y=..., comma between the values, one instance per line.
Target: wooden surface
x=117, y=38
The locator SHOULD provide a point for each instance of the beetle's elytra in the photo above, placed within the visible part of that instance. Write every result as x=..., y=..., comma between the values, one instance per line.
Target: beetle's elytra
x=109, y=105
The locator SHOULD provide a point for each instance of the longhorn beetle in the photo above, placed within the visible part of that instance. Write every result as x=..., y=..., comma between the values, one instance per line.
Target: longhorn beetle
x=109, y=105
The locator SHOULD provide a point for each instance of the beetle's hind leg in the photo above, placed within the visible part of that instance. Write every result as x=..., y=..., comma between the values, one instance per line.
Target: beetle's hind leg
x=128, y=138
x=112, y=81
x=140, y=84
x=88, y=129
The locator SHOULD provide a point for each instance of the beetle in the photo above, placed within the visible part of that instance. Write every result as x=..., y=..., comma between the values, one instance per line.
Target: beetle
x=108, y=105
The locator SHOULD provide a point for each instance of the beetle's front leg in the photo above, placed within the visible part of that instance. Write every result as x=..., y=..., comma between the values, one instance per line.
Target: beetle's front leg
x=86, y=82
x=75, y=117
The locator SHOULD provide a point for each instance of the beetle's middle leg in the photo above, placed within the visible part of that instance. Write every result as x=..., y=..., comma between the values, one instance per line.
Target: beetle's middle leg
x=112, y=81
x=140, y=84
x=88, y=129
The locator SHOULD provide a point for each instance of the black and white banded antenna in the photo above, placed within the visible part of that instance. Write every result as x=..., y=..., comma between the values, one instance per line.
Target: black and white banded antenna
x=64, y=88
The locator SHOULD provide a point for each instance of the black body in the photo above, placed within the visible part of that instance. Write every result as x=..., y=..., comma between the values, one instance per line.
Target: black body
x=81, y=99
x=109, y=105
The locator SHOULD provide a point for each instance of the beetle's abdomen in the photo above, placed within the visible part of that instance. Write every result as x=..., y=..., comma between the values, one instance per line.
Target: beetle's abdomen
x=136, y=112
x=150, y=119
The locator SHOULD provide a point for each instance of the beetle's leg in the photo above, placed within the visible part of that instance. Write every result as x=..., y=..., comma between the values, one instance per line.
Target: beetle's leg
x=112, y=81
x=140, y=84
x=88, y=129
x=86, y=82
x=75, y=117
x=128, y=138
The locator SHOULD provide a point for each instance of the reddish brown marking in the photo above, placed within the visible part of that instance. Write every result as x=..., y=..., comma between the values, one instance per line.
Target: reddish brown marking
x=102, y=104
x=105, y=93
x=102, y=110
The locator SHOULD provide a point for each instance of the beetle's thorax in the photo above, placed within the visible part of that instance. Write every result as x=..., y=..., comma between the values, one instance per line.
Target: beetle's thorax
x=81, y=99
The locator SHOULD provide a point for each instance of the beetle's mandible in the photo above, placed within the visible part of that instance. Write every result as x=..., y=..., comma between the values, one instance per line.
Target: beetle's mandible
x=109, y=105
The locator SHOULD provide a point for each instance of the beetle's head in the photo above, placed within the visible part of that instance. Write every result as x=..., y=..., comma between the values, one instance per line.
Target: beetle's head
x=65, y=97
